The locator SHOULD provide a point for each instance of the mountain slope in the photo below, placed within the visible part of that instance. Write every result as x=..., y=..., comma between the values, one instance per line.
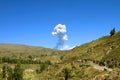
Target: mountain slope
x=97, y=50
x=96, y=60
x=83, y=62
x=24, y=52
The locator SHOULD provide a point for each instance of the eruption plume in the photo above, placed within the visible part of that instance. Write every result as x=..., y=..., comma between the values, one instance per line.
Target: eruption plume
x=60, y=32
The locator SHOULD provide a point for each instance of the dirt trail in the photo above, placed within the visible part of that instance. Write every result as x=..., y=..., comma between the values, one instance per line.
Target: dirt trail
x=98, y=67
x=94, y=65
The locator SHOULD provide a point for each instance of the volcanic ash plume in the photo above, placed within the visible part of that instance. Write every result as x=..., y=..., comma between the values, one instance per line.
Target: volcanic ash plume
x=60, y=32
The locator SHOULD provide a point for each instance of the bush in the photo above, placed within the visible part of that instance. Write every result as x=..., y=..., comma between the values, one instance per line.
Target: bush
x=41, y=68
x=7, y=72
x=67, y=71
x=112, y=32
x=18, y=72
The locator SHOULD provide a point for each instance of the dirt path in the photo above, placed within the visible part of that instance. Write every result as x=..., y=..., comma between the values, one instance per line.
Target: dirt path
x=98, y=67
x=94, y=65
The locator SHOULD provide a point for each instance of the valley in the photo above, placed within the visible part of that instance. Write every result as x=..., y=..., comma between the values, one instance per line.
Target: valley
x=96, y=60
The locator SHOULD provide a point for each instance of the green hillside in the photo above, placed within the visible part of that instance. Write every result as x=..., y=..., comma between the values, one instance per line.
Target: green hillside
x=24, y=51
x=97, y=49
x=96, y=60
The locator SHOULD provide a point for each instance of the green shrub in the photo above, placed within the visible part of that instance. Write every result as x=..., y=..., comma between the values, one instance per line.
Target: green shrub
x=112, y=32
x=18, y=72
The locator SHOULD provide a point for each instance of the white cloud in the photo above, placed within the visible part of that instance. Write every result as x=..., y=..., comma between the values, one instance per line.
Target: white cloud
x=66, y=47
x=65, y=37
x=71, y=47
x=60, y=31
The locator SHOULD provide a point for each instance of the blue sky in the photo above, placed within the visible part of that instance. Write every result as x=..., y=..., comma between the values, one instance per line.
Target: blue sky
x=31, y=22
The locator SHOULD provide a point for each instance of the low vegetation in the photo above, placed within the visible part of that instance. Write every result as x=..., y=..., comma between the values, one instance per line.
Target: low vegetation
x=96, y=60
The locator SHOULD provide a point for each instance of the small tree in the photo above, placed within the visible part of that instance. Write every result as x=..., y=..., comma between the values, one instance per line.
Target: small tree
x=66, y=73
x=30, y=57
x=41, y=68
x=7, y=72
x=10, y=73
x=18, y=72
x=112, y=32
